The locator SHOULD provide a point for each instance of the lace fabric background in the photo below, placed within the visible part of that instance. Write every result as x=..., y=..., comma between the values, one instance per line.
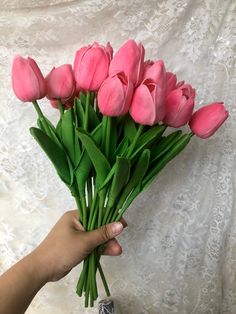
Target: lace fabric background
x=180, y=248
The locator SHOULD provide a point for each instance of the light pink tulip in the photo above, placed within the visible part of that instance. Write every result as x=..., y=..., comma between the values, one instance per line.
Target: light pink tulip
x=171, y=81
x=91, y=66
x=146, y=108
x=114, y=96
x=60, y=82
x=208, y=119
x=130, y=60
x=27, y=80
x=179, y=106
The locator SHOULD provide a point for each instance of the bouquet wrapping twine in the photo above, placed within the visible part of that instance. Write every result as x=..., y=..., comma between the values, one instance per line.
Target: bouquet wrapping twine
x=111, y=139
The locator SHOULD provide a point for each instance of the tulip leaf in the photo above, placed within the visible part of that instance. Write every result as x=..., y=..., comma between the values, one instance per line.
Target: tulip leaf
x=57, y=156
x=137, y=175
x=67, y=133
x=164, y=159
x=84, y=164
x=93, y=118
x=79, y=110
x=165, y=144
x=98, y=159
x=129, y=128
x=153, y=134
x=121, y=176
x=120, y=150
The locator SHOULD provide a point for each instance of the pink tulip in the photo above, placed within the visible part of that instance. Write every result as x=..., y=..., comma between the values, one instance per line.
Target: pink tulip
x=179, y=106
x=60, y=82
x=115, y=94
x=171, y=81
x=146, y=108
x=130, y=60
x=147, y=64
x=91, y=66
x=208, y=119
x=27, y=80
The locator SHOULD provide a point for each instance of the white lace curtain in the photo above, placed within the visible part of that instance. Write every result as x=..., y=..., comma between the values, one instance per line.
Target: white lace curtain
x=179, y=250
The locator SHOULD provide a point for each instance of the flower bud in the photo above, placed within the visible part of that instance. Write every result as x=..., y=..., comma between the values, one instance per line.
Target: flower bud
x=206, y=120
x=179, y=106
x=114, y=96
x=27, y=80
x=130, y=60
x=91, y=66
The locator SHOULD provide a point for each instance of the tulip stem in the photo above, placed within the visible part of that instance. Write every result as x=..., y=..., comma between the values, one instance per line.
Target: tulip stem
x=138, y=133
x=42, y=118
x=108, y=135
x=61, y=108
x=86, y=116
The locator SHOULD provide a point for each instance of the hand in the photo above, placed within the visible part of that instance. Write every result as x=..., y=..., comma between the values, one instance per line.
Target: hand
x=68, y=244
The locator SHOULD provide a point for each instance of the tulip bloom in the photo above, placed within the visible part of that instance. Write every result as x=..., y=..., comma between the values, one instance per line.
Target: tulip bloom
x=146, y=107
x=147, y=64
x=114, y=96
x=91, y=66
x=179, y=106
x=130, y=60
x=60, y=82
x=27, y=80
x=208, y=119
x=66, y=103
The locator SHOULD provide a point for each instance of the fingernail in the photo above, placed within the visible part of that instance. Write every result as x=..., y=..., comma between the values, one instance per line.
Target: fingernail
x=116, y=227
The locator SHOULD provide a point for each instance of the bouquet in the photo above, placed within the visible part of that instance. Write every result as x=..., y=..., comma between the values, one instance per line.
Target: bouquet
x=111, y=139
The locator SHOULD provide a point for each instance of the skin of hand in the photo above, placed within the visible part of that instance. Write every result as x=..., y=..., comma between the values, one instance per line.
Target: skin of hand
x=66, y=245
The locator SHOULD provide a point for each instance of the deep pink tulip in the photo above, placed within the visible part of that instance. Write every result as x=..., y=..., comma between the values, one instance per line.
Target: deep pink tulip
x=179, y=106
x=146, y=108
x=91, y=66
x=208, y=119
x=27, y=80
x=115, y=94
x=130, y=60
x=60, y=82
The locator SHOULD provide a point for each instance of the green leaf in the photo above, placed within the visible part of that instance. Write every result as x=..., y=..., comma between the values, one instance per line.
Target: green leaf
x=93, y=119
x=55, y=154
x=129, y=128
x=147, y=138
x=67, y=133
x=120, y=150
x=121, y=176
x=164, y=145
x=79, y=111
x=136, y=178
x=98, y=159
x=164, y=159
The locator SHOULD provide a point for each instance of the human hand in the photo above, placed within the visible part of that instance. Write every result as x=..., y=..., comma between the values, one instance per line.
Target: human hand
x=67, y=244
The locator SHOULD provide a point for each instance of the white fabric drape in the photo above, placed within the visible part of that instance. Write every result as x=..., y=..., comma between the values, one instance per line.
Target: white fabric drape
x=179, y=250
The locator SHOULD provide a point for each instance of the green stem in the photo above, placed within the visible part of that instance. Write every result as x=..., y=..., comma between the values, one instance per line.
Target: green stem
x=103, y=279
x=89, y=192
x=104, y=128
x=86, y=116
x=79, y=207
x=82, y=279
x=84, y=210
x=138, y=133
x=107, y=137
x=93, y=206
x=60, y=107
x=41, y=117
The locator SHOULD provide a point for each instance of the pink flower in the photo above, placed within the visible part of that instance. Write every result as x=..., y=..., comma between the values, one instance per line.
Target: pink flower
x=91, y=66
x=171, y=82
x=115, y=94
x=179, y=106
x=147, y=64
x=146, y=108
x=60, y=82
x=130, y=60
x=206, y=120
x=27, y=80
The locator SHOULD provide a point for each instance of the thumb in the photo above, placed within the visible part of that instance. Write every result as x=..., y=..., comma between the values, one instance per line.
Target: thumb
x=102, y=235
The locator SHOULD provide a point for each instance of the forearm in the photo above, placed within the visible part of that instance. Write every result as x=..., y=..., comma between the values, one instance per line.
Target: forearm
x=19, y=285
